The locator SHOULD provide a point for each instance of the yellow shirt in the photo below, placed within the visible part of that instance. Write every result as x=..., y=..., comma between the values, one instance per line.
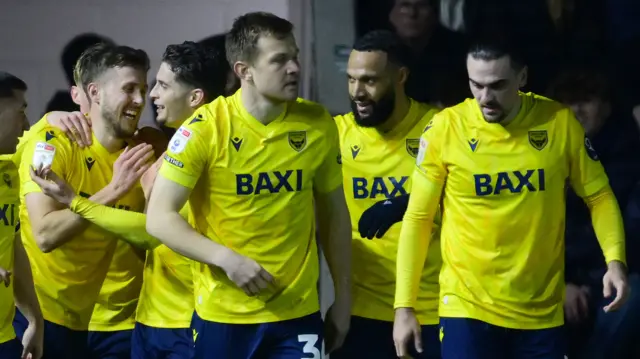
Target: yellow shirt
x=376, y=166
x=166, y=299
x=9, y=201
x=68, y=280
x=504, y=208
x=253, y=189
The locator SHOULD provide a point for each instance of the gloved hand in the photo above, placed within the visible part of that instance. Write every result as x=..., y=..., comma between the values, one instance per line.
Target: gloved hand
x=377, y=219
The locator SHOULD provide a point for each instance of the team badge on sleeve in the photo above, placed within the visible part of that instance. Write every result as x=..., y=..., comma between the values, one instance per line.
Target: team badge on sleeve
x=413, y=146
x=179, y=140
x=298, y=140
x=591, y=152
x=538, y=139
x=43, y=155
x=422, y=150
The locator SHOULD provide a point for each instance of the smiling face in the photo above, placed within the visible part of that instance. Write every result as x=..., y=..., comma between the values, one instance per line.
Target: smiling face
x=495, y=85
x=171, y=97
x=120, y=94
x=372, y=87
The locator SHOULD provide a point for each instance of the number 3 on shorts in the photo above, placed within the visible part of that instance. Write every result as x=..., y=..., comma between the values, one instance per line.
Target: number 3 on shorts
x=309, y=341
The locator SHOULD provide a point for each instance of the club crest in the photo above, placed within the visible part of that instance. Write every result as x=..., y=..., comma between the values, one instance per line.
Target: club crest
x=538, y=139
x=413, y=146
x=298, y=140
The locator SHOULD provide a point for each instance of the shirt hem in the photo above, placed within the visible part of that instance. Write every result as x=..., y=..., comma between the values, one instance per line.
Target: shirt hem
x=254, y=319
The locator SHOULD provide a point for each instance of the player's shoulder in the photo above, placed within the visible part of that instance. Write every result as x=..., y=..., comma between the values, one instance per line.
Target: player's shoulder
x=545, y=109
x=344, y=121
x=49, y=135
x=309, y=110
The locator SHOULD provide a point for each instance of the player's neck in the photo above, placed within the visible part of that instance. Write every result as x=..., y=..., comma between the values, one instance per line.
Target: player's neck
x=104, y=135
x=400, y=110
x=513, y=114
x=261, y=108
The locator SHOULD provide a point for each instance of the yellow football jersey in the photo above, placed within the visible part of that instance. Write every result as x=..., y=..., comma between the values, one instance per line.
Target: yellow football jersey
x=118, y=299
x=253, y=190
x=68, y=280
x=376, y=166
x=166, y=299
x=504, y=208
x=9, y=202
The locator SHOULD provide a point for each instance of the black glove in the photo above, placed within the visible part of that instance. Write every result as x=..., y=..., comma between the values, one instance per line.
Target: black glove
x=377, y=219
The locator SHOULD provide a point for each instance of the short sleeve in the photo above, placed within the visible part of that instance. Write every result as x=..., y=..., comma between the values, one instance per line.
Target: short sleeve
x=586, y=174
x=48, y=146
x=329, y=175
x=188, y=152
x=429, y=158
x=37, y=128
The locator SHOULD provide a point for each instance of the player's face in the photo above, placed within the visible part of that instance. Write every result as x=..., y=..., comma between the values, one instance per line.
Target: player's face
x=275, y=71
x=171, y=98
x=371, y=87
x=12, y=120
x=122, y=97
x=495, y=85
x=592, y=114
x=412, y=18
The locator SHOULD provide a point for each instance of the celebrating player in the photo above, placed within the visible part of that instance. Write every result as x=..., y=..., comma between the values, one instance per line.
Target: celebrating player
x=379, y=142
x=500, y=163
x=252, y=165
x=15, y=271
x=72, y=261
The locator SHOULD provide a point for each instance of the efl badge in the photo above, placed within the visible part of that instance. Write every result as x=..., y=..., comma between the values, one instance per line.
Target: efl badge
x=43, y=155
x=591, y=152
x=413, y=146
x=298, y=140
x=538, y=139
x=179, y=140
x=422, y=151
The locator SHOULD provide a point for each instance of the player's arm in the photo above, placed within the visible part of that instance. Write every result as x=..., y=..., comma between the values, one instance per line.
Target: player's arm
x=165, y=222
x=427, y=184
x=589, y=181
x=23, y=290
x=52, y=222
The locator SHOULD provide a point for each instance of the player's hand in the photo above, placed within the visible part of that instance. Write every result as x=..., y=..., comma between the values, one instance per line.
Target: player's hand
x=377, y=219
x=615, y=279
x=149, y=177
x=246, y=273
x=52, y=185
x=75, y=125
x=33, y=341
x=576, y=303
x=406, y=329
x=5, y=276
x=336, y=324
x=129, y=167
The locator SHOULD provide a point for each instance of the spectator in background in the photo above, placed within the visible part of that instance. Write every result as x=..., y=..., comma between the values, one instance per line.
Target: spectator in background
x=616, y=138
x=437, y=73
x=61, y=100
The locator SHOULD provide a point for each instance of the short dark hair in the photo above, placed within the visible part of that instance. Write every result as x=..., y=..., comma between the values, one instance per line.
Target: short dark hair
x=74, y=49
x=198, y=66
x=242, y=40
x=384, y=41
x=494, y=44
x=100, y=57
x=10, y=83
x=580, y=85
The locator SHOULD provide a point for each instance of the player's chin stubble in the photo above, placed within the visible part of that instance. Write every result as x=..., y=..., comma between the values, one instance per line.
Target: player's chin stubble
x=381, y=111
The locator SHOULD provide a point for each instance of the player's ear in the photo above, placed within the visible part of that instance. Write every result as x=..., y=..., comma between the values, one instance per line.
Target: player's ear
x=524, y=74
x=241, y=69
x=403, y=75
x=93, y=93
x=196, y=99
x=74, y=94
